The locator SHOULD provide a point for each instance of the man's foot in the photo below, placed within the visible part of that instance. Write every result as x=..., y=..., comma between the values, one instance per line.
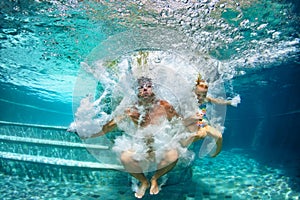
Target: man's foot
x=154, y=187
x=141, y=190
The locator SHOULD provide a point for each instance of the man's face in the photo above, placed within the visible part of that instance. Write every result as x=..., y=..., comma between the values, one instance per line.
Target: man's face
x=145, y=90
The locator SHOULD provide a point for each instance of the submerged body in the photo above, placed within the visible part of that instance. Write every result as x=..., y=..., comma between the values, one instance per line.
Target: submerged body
x=153, y=140
x=138, y=150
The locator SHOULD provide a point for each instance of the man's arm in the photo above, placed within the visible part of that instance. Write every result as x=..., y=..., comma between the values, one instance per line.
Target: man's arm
x=190, y=120
x=171, y=112
x=108, y=127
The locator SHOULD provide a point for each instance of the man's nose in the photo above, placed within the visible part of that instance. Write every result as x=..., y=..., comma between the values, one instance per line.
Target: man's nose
x=145, y=89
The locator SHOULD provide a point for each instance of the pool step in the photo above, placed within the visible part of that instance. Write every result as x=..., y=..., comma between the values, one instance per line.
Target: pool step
x=57, y=161
x=33, y=125
x=51, y=142
x=37, y=131
x=52, y=145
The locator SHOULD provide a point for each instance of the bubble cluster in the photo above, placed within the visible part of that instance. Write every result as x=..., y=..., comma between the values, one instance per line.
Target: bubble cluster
x=226, y=30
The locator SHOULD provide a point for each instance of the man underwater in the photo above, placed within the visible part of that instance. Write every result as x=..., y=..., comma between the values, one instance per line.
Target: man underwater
x=146, y=113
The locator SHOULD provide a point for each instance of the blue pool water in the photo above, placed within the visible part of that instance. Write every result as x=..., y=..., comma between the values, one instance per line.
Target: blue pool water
x=45, y=43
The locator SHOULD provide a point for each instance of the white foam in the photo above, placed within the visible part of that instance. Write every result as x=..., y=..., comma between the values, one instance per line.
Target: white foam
x=173, y=76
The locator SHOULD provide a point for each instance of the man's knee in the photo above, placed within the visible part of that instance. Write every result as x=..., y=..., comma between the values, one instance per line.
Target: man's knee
x=171, y=156
x=126, y=157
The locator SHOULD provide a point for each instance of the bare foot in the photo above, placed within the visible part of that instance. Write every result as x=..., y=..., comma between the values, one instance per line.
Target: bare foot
x=141, y=190
x=154, y=187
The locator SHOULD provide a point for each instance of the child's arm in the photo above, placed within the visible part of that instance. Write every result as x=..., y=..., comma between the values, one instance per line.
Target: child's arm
x=218, y=101
x=236, y=100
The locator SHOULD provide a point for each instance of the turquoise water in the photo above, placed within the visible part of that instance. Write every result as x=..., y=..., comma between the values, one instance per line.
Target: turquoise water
x=254, y=43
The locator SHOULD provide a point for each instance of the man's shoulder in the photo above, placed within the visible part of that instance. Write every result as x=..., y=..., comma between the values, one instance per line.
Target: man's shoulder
x=164, y=103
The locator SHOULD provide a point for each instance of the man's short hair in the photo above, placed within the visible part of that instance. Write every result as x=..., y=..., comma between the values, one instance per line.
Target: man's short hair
x=144, y=80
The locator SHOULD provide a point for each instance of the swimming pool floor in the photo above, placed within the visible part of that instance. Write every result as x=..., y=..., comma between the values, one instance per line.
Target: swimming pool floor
x=233, y=175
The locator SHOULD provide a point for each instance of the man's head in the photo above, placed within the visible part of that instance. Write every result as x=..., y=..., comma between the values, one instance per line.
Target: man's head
x=145, y=87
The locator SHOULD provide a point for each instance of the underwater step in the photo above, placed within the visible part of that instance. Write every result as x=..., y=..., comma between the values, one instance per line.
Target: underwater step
x=69, y=150
x=51, y=142
x=57, y=161
x=37, y=131
x=33, y=125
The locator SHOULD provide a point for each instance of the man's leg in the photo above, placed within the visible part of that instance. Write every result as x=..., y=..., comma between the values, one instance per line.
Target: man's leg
x=133, y=168
x=168, y=163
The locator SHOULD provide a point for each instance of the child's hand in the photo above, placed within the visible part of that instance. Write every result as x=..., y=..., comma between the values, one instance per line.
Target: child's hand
x=235, y=101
